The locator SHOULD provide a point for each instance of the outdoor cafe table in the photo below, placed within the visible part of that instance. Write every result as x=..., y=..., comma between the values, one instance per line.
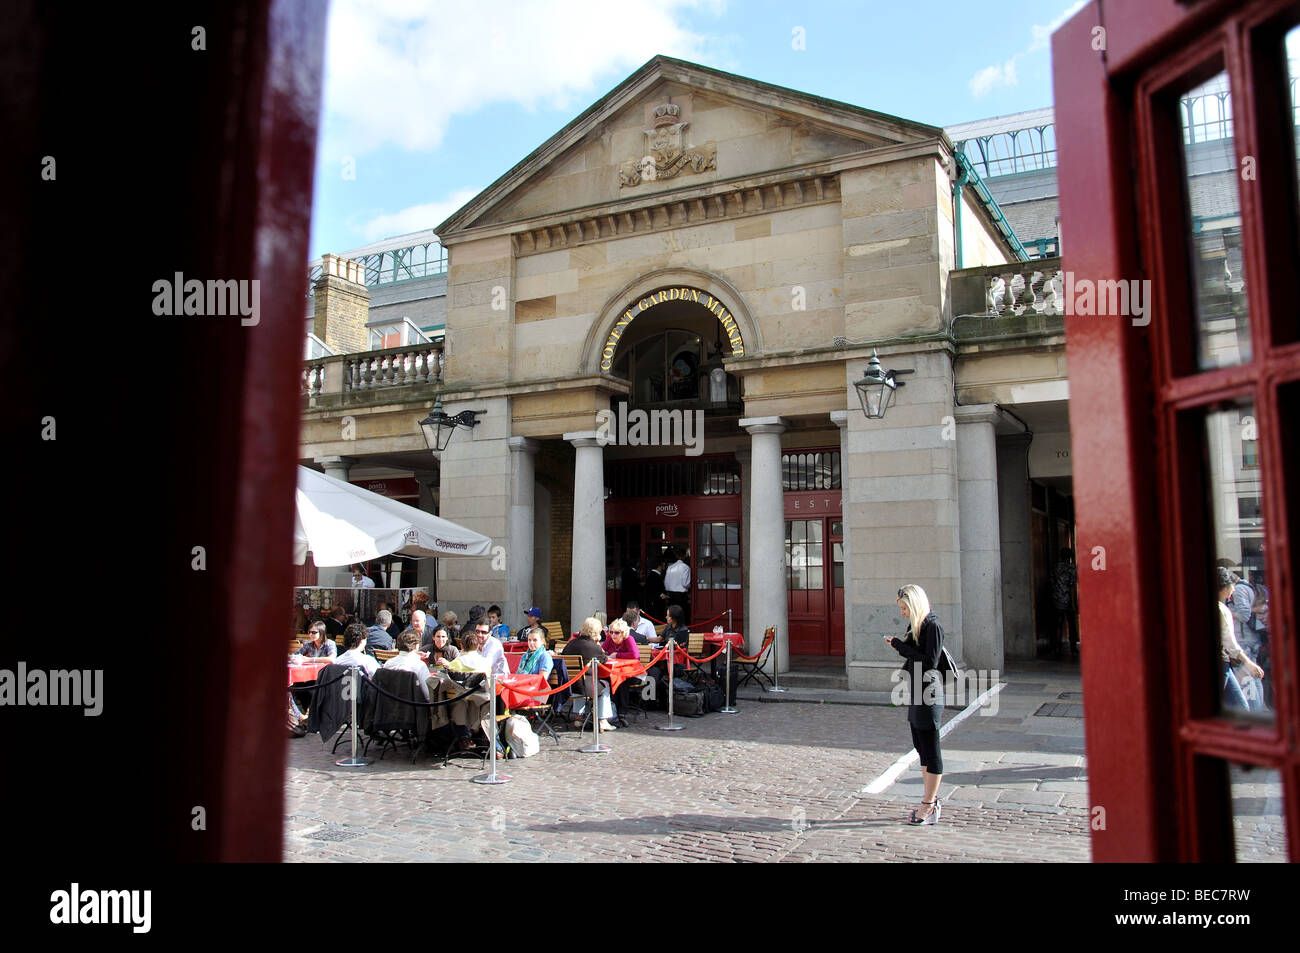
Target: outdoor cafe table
x=735, y=638
x=306, y=670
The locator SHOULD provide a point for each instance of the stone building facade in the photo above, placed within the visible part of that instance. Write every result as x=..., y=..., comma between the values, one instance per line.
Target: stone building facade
x=719, y=258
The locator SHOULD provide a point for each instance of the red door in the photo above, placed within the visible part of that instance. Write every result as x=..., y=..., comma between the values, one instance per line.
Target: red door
x=814, y=560
x=1178, y=168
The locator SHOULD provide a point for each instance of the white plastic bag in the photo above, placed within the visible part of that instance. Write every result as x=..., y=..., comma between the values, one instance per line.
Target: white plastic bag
x=520, y=737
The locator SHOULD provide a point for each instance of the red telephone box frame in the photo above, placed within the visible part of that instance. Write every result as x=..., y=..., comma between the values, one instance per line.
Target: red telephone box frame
x=1156, y=752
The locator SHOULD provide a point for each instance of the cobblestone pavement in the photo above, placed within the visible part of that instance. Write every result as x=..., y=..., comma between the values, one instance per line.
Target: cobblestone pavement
x=780, y=781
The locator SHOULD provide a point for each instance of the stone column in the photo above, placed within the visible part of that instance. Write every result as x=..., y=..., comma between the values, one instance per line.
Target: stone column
x=337, y=467
x=981, y=536
x=840, y=418
x=746, y=491
x=1017, y=556
x=519, y=557
x=587, y=580
x=768, y=602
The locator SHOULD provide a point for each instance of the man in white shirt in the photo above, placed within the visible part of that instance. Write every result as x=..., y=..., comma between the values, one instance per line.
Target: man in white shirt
x=408, y=659
x=491, y=648
x=354, y=642
x=677, y=583
x=642, y=629
x=360, y=580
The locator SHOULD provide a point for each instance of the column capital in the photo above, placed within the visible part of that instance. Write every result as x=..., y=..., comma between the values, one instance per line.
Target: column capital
x=336, y=463
x=522, y=445
x=757, y=425
x=586, y=438
x=977, y=414
x=840, y=418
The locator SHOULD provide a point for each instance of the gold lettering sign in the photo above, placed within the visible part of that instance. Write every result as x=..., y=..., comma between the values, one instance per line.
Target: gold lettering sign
x=692, y=295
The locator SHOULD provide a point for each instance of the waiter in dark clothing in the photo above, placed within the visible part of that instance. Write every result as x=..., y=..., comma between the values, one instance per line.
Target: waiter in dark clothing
x=631, y=582
x=655, y=603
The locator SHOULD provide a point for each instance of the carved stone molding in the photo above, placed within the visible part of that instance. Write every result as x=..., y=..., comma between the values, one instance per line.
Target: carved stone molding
x=677, y=213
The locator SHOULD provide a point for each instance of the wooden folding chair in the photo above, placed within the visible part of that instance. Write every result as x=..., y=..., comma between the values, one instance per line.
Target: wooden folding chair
x=752, y=669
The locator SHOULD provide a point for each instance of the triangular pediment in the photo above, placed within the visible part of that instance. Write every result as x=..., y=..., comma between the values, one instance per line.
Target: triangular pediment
x=675, y=126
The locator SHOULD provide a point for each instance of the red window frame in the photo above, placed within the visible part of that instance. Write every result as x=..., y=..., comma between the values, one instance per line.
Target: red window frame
x=1157, y=751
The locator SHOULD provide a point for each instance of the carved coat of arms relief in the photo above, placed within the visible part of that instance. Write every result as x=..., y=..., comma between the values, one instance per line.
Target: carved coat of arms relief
x=666, y=152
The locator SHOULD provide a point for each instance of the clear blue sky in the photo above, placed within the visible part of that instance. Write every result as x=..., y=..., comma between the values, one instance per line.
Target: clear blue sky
x=426, y=104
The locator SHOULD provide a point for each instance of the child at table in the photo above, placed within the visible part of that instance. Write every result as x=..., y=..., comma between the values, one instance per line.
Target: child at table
x=537, y=660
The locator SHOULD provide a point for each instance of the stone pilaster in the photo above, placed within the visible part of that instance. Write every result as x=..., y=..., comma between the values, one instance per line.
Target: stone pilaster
x=1017, y=556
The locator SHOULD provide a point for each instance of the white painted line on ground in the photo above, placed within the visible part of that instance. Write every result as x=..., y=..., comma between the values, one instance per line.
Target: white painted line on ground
x=895, y=770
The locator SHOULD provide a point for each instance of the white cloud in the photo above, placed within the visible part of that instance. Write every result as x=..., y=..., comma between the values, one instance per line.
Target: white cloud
x=991, y=77
x=395, y=72
x=415, y=218
x=1043, y=34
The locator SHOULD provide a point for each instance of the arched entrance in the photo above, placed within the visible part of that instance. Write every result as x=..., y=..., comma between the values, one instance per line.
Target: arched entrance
x=671, y=474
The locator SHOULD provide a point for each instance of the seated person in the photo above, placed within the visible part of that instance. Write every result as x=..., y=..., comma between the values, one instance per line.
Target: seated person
x=354, y=649
x=497, y=629
x=449, y=623
x=317, y=646
x=440, y=647
x=490, y=647
x=337, y=622
x=470, y=659
x=586, y=646
x=642, y=629
x=603, y=619
x=619, y=644
x=377, y=636
x=537, y=660
x=677, y=631
x=408, y=659
x=676, y=628
x=534, y=615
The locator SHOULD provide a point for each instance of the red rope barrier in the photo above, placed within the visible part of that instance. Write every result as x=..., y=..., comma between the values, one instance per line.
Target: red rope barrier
x=701, y=661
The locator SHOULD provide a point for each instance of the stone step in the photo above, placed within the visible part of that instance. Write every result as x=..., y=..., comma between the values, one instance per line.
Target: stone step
x=814, y=680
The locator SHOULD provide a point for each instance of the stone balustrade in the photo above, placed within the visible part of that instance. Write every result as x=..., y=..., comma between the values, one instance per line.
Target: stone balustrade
x=372, y=375
x=1010, y=299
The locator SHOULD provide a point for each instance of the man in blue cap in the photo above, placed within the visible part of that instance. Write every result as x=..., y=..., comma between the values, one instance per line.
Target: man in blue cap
x=534, y=619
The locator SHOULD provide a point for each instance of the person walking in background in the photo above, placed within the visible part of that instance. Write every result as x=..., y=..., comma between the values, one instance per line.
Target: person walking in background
x=656, y=602
x=921, y=649
x=1065, y=598
x=1230, y=650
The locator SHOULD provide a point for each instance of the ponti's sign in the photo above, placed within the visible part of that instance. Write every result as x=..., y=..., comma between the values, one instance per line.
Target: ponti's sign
x=692, y=295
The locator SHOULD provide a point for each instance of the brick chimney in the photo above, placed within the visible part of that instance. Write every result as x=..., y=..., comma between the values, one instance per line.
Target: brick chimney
x=342, y=305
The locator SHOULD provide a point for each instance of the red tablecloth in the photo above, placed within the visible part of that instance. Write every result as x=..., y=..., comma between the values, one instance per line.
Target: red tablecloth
x=735, y=638
x=618, y=671
x=514, y=690
x=307, y=669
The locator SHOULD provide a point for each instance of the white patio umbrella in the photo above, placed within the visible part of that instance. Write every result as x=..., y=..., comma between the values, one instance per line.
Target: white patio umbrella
x=342, y=524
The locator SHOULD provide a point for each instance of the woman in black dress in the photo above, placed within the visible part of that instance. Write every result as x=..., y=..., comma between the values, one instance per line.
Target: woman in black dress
x=920, y=650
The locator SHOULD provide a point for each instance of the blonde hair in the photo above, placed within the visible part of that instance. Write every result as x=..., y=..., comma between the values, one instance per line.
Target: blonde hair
x=918, y=607
x=601, y=617
x=618, y=625
x=590, y=627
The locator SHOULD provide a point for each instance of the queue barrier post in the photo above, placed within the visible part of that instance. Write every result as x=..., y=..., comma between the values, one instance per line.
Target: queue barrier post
x=492, y=777
x=353, y=761
x=595, y=747
x=672, y=725
x=727, y=708
x=776, y=685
